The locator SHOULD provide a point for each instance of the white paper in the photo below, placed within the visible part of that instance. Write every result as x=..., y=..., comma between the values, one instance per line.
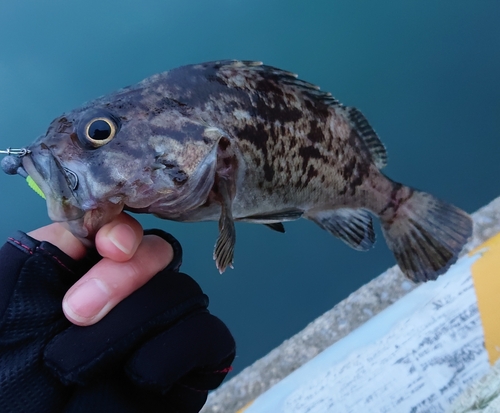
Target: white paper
x=416, y=356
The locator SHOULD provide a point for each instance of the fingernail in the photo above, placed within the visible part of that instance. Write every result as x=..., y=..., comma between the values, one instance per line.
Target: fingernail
x=86, y=301
x=123, y=237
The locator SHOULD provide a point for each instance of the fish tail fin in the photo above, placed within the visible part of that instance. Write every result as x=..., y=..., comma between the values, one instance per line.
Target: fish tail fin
x=425, y=234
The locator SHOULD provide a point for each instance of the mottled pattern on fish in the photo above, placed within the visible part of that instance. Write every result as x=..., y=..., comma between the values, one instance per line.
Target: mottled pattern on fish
x=236, y=140
x=289, y=133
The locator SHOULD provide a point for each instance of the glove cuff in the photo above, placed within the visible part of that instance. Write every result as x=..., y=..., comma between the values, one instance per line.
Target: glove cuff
x=176, y=262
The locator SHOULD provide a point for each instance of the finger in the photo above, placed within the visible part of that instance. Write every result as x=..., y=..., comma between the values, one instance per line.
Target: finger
x=59, y=236
x=109, y=282
x=119, y=239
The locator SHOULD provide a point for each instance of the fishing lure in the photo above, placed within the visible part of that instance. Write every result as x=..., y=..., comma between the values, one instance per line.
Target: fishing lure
x=12, y=166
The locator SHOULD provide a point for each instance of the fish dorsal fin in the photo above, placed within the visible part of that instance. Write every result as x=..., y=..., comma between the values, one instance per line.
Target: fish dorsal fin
x=358, y=121
x=286, y=78
x=369, y=136
x=353, y=226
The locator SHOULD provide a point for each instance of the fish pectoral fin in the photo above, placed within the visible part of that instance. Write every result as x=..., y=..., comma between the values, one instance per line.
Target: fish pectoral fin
x=274, y=217
x=353, y=226
x=224, y=246
x=276, y=226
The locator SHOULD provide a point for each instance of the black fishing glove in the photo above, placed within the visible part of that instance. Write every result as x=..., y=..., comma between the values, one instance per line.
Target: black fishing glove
x=159, y=350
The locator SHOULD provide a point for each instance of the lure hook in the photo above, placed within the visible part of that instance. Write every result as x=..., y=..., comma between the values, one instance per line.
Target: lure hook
x=18, y=152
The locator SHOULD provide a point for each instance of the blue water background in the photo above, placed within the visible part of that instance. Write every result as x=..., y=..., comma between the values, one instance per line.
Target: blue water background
x=425, y=73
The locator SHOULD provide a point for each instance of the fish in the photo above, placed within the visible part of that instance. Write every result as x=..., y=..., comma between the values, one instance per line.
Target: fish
x=237, y=141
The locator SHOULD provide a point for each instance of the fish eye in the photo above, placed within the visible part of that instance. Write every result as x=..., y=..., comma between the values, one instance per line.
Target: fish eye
x=97, y=128
x=99, y=131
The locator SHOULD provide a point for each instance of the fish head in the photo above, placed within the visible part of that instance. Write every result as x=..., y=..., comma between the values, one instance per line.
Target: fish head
x=96, y=161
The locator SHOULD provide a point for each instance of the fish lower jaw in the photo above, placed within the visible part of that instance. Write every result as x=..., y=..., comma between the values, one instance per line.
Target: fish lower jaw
x=83, y=228
x=77, y=228
x=89, y=222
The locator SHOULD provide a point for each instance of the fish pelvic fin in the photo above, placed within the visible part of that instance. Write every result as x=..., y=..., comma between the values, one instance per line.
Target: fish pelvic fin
x=276, y=226
x=425, y=234
x=224, y=246
x=353, y=226
x=224, y=190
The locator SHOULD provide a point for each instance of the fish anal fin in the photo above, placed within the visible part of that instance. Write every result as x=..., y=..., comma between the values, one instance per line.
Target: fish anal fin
x=353, y=226
x=276, y=226
x=369, y=136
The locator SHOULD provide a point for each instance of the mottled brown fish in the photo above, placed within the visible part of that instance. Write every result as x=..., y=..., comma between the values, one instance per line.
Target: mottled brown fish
x=238, y=141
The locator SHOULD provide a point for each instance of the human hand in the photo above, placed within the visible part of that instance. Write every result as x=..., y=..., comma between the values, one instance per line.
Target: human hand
x=129, y=261
x=160, y=349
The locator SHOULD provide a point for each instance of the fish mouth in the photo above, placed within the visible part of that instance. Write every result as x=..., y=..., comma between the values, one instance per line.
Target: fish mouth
x=56, y=182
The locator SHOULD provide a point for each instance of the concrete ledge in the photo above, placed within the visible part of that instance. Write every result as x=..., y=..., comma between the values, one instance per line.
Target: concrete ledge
x=335, y=324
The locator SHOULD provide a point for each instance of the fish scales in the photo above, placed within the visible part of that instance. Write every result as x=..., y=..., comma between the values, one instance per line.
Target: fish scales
x=238, y=141
x=288, y=131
